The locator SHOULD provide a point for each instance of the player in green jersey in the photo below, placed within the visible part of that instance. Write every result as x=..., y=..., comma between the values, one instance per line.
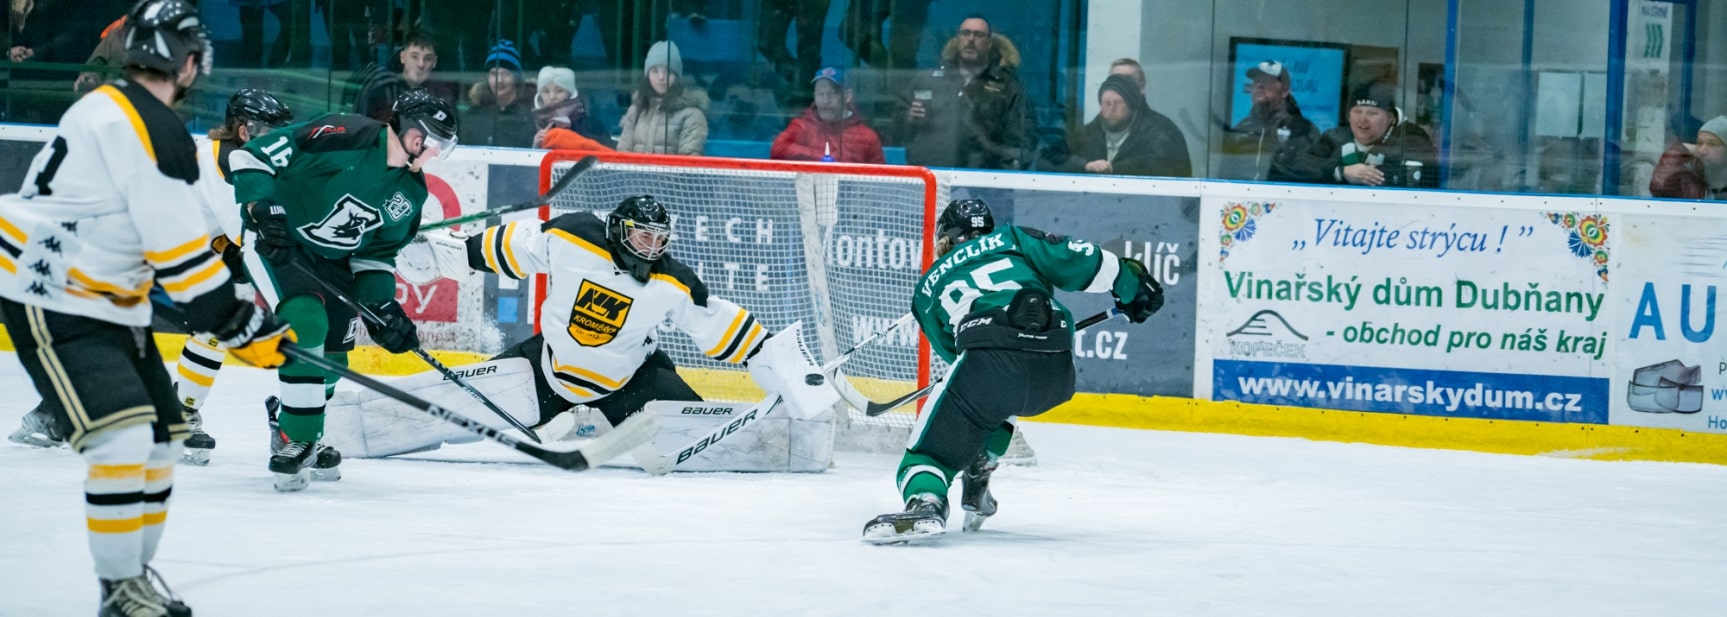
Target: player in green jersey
x=987, y=307
x=334, y=198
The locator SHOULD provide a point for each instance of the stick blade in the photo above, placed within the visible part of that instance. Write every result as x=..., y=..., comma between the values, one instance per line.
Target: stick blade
x=633, y=433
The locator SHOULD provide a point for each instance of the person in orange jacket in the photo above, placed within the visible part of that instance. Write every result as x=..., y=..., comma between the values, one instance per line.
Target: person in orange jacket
x=563, y=118
x=830, y=128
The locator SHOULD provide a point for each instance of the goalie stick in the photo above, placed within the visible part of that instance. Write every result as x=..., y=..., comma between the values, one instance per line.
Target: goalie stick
x=660, y=464
x=876, y=409
x=569, y=178
x=626, y=437
x=451, y=375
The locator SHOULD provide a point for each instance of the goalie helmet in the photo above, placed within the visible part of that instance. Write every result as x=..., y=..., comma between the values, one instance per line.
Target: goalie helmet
x=435, y=117
x=161, y=34
x=640, y=232
x=961, y=220
x=257, y=110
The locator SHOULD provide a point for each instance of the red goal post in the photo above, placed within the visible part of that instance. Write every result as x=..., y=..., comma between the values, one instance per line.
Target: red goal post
x=837, y=246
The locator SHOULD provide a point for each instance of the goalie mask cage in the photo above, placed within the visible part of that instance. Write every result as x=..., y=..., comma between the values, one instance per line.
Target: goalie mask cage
x=836, y=246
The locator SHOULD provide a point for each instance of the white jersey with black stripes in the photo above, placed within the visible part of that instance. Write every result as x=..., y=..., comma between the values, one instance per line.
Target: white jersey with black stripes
x=599, y=321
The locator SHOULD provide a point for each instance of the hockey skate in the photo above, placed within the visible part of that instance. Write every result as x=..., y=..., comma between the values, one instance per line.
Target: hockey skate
x=925, y=516
x=294, y=474
x=199, y=444
x=137, y=597
x=38, y=428
x=974, y=496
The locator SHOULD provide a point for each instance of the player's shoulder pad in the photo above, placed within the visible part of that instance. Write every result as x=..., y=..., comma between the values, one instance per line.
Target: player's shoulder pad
x=1038, y=234
x=582, y=225
x=337, y=132
x=225, y=149
x=685, y=276
x=176, y=154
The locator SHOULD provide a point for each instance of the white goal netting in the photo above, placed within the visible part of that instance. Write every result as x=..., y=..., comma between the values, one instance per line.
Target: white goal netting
x=791, y=242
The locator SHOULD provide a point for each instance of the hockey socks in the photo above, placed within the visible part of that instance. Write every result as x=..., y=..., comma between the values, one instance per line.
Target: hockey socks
x=921, y=474
x=200, y=360
x=126, y=494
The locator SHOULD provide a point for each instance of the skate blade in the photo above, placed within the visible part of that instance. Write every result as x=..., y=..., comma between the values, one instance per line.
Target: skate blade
x=974, y=521
x=885, y=534
x=293, y=482
x=327, y=475
x=34, y=440
x=195, y=456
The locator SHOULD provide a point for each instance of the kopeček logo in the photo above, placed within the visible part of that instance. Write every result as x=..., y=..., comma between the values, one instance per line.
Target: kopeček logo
x=1267, y=334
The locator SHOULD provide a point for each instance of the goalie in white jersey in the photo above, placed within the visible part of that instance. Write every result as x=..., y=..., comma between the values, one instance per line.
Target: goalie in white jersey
x=108, y=209
x=611, y=284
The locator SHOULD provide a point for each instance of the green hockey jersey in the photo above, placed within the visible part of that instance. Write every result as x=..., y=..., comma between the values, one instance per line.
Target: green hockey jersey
x=332, y=175
x=985, y=272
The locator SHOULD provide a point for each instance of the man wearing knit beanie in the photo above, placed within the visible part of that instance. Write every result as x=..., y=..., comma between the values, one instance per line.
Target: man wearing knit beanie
x=1694, y=171
x=1376, y=148
x=501, y=111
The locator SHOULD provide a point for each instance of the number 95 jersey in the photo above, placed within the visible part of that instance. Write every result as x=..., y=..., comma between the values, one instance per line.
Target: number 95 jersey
x=597, y=319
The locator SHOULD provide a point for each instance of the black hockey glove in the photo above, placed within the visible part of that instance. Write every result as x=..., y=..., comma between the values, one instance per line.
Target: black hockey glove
x=1148, y=296
x=392, y=330
x=275, y=240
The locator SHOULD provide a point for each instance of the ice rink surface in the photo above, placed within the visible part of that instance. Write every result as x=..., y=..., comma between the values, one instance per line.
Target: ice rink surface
x=1113, y=522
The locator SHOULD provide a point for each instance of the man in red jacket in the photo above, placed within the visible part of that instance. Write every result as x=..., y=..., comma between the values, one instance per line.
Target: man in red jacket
x=830, y=130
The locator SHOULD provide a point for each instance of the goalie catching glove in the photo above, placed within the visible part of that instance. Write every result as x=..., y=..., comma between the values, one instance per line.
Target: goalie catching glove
x=392, y=329
x=1144, y=296
x=254, y=335
x=440, y=253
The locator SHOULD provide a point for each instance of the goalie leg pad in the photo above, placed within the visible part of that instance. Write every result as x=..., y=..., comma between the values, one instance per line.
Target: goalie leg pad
x=366, y=424
x=766, y=443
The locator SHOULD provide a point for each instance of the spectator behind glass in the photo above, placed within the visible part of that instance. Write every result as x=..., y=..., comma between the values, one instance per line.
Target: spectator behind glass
x=1128, y=138
x=562, y=115
x=1268, y=143
x=830, y=127
x=1695, y=171
x=970, y=111
x=1377, y=148
x=111, y=51
x=664, y=117
x=776, y=15
x=378, y=87
x=1130, y=68
x=502, y=112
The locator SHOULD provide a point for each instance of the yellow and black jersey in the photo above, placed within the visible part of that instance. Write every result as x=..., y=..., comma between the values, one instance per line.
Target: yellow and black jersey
x=109, y=207
x=597, y=319
x=216, y=183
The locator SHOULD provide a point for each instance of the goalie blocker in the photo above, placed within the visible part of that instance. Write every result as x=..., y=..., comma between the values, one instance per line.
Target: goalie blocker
x=362, y=423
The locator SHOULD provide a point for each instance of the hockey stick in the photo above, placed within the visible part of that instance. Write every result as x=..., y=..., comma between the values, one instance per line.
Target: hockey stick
x=854, y=398
x=628, y=436
x=569, y=178
x=662, y=464
x=876, y=409
x=455, y=378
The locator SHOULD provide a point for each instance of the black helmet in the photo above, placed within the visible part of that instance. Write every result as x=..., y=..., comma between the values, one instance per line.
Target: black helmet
x=640, y=232
x=257, y=110
x=436, y=117
x=964, y=219
x=160, y=34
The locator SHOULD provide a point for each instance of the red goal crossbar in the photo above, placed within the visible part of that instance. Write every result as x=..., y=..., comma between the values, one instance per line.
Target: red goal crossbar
x=553, y=158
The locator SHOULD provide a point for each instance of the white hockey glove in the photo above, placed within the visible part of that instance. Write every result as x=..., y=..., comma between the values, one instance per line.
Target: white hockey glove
x=782, y=366
x=439, y=253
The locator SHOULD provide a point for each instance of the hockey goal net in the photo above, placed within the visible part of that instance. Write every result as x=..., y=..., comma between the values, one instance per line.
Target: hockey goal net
x=838, y=247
